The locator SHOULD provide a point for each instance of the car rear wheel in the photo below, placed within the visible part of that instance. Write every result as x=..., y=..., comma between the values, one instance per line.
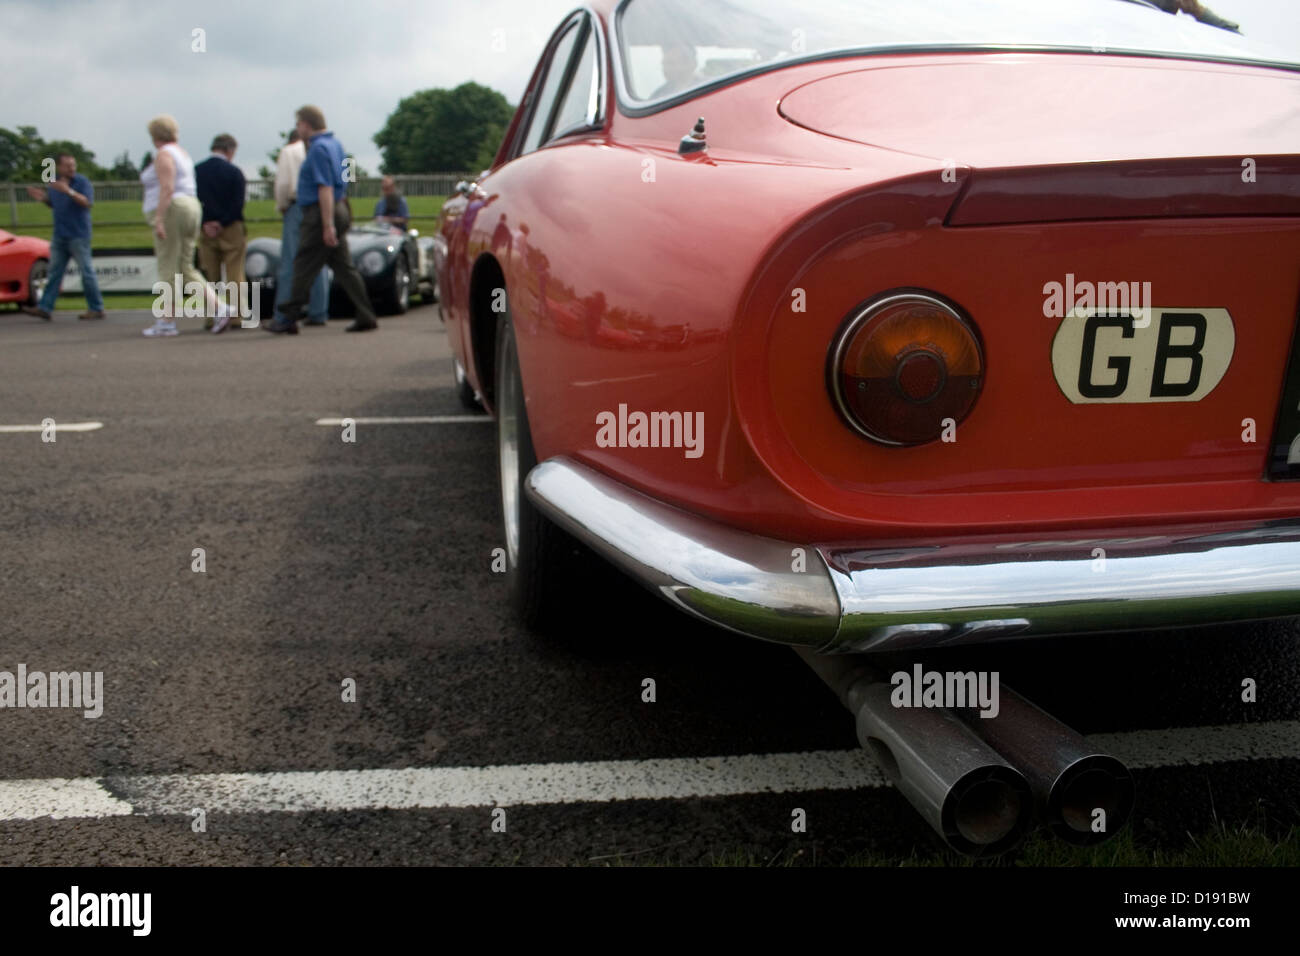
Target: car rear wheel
x=465, y=393
x=399, y=297
x=37, y=276
x=265, y=304
x=543, y=562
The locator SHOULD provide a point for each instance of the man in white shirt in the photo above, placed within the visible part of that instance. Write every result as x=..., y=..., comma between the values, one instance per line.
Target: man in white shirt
x=287, y=167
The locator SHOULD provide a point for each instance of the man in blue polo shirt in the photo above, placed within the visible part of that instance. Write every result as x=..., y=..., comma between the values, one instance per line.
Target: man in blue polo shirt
x=323, y=236
x=70, y=196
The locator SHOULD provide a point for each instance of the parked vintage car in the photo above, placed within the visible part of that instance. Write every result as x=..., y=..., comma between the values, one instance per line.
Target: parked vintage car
x=887, y=327
x=24, y=265
x=393, y=264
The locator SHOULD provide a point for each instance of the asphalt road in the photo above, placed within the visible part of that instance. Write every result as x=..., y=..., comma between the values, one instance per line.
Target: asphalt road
x=327, y=560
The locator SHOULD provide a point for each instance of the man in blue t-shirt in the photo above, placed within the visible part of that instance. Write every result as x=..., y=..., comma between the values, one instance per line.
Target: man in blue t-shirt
x=70, y=196
x=323, y=236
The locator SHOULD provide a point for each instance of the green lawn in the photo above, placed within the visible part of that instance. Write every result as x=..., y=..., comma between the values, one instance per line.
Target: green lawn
x=119, y=223
x=112, y=300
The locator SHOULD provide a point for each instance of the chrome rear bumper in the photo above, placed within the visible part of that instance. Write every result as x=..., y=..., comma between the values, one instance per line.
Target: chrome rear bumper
x=846, y=597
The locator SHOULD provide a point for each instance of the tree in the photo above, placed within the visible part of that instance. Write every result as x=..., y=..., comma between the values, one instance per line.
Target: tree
x=86, y=164
x=487, y=148
x=15, y=155
x=123, y=168
x=444, y=130
x=23, y=154
x=20, y=153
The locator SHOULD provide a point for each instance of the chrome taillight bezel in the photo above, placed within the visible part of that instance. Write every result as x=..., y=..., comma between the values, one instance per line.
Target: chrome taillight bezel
x=862, y=315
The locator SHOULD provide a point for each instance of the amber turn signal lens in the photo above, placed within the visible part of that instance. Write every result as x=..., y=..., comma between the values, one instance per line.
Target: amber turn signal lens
x=902, y=366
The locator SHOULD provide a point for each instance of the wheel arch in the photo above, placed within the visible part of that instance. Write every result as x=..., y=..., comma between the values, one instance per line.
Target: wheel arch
x=486, y=277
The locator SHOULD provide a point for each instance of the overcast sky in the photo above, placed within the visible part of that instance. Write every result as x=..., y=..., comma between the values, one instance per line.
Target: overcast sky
x=95, y=72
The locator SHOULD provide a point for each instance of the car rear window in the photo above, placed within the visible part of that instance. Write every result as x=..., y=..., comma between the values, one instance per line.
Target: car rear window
x=671, y=47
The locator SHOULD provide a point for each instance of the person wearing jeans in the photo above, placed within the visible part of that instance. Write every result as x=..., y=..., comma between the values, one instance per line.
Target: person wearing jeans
x=70, y=196
x=62, y=249
x=318, y=304
x=323, y=236
x=287, y=166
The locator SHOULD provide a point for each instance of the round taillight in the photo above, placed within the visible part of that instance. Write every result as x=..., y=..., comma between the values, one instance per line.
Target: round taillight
x=902, y=365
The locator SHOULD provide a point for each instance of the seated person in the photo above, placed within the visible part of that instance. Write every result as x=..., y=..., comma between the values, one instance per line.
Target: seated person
x=679, y=70
x=391, y=207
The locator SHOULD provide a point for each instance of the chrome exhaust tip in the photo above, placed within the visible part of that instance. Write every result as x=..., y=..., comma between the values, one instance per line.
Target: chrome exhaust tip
x=1094, y=783
x=1084, y=796
x=970, y=795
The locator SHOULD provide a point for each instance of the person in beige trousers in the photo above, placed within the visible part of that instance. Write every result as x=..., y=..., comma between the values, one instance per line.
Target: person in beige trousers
x=223, y=240
x=171, y=207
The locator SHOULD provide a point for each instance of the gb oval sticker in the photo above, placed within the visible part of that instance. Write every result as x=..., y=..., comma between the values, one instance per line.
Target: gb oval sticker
x=1167, y=355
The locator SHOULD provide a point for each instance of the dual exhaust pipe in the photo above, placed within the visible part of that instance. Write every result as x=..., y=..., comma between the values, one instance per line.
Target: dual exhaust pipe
x=982, y=783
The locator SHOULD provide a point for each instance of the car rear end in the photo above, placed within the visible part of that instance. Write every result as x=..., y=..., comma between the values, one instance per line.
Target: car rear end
x=1032, y=373
x=1038, y=383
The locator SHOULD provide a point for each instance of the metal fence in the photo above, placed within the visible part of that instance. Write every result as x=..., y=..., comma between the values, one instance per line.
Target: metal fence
x=424, y=184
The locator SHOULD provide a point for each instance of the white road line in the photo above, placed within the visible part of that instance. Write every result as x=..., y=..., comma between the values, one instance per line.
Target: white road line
x=461, y=787
x=1195, y=746
x=407, y=420
x=58, y=427
x=594, y=782
x=60, y=799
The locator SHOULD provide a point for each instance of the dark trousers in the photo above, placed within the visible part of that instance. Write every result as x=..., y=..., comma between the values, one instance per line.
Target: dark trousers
x=313, y=254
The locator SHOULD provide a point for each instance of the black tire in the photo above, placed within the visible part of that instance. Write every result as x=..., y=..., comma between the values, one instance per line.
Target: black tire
x=399, y=296
x=265, y=304
x=543, y=563
x=36, y=277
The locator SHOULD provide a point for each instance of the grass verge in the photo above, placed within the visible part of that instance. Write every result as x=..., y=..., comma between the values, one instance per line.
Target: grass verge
x=1245, y=844
x=119, y=223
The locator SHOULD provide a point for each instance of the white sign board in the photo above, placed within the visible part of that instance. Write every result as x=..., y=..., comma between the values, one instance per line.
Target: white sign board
x=116, y=272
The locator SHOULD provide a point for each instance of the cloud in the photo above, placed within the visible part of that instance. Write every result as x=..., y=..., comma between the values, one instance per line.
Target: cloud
x=96, y=72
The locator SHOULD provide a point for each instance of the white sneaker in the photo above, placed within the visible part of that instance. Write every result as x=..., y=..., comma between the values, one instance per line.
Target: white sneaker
x=161, y=327
x=220, y=322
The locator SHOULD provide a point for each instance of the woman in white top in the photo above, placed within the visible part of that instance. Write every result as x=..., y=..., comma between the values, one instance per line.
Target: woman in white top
x=171, y=207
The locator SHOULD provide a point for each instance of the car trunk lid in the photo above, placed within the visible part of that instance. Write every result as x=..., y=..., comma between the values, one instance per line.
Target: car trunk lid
x=1063, y=137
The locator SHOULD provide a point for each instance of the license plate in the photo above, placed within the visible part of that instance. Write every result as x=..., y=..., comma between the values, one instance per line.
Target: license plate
x=1157, y=355
x=1284, y=453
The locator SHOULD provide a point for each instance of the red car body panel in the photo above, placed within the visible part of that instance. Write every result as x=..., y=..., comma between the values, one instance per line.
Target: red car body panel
x=17, y=255
x=674, y=293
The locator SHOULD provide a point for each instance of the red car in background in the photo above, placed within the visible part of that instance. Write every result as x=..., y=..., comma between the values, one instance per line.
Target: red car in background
x=883, y=327
x=24, y=265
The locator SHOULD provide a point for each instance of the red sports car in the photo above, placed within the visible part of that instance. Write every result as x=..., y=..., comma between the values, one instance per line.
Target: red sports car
x=24, y=264
x=874, y=327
